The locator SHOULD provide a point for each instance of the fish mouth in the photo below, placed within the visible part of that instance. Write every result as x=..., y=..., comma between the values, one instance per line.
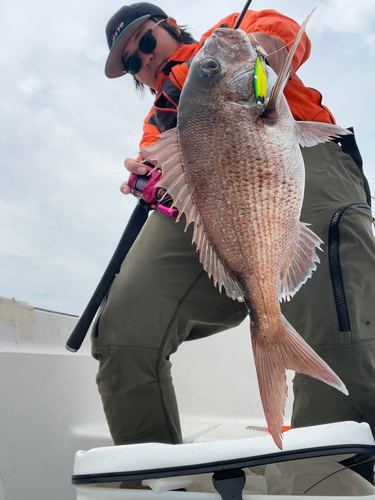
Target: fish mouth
x=226, y=39
x=242, y=75
x=230, y=34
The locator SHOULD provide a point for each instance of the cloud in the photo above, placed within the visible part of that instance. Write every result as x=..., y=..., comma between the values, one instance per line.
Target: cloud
x=370, y=41
x=345, y=16
x=30, y=86
x=66, y=130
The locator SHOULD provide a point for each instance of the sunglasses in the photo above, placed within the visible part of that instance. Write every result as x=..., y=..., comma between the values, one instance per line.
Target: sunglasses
x=147, y=44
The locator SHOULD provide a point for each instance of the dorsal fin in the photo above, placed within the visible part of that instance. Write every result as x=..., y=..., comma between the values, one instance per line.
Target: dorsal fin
x=270, y=114
x=165, y=154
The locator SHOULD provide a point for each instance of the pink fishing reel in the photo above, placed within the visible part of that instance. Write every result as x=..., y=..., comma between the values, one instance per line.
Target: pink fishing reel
x=145, y=186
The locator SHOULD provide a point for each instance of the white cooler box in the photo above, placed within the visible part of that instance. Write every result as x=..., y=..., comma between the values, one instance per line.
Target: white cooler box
x=315, y=463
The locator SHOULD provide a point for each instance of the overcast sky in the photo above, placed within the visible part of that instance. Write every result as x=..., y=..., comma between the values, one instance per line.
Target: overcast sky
x=66, y=129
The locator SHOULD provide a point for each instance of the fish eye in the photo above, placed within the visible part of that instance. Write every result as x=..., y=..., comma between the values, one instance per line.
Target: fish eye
x=209, y=66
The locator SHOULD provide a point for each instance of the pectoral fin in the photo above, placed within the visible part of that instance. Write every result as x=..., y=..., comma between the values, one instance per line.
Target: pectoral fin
x=312, y=133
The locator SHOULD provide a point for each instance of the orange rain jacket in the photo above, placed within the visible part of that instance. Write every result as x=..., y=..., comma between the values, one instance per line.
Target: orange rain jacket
x=304, y=102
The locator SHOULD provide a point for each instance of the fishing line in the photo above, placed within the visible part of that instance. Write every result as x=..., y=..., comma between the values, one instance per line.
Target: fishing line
x=317, y=16
x=310, y=24
x=278, y=50
x=340, y=470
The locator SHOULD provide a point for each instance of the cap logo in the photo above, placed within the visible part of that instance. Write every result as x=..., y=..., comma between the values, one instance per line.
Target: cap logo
x=117, y=32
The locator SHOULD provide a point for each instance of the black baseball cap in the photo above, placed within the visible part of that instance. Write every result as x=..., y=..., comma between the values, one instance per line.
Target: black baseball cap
x=122, y=25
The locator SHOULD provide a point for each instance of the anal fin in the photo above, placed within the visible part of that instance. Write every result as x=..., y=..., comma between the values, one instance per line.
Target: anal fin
x=302, y=264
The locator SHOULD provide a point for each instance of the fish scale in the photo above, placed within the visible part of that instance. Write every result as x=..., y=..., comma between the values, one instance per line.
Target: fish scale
x=244, y=174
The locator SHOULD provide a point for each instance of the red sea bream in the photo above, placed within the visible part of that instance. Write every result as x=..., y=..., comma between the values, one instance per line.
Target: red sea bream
x=237, y=172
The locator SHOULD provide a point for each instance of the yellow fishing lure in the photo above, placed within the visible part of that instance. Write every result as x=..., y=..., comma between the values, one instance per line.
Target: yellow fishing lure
x=260, y=79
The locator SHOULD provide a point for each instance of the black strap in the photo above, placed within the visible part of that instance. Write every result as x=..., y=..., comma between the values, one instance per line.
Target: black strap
x=349, y=146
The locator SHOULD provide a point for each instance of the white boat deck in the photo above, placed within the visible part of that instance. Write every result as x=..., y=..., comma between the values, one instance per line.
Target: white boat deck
x=255, y=465
x=50, y=407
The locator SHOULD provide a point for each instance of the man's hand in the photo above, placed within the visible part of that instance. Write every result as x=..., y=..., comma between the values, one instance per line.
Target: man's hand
x=271, y=44
x=134, y=167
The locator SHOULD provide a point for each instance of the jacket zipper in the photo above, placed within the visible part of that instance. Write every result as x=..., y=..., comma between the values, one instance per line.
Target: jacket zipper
x=335, y=266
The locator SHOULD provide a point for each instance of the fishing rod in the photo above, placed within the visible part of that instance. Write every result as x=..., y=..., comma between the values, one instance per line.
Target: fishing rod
x=135, y=224
x=241, y=16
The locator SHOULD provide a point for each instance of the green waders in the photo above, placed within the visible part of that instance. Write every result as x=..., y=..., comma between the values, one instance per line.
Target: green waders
x=334, y=310
x=162, y=297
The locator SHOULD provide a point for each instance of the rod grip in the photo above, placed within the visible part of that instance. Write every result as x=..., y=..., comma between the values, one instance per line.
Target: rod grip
x=133, y=227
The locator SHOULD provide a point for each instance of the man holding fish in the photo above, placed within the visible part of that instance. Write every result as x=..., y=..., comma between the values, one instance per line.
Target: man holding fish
x=230, y=162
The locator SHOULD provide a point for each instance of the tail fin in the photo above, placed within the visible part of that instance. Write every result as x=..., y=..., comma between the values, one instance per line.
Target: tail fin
x=287, y=352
